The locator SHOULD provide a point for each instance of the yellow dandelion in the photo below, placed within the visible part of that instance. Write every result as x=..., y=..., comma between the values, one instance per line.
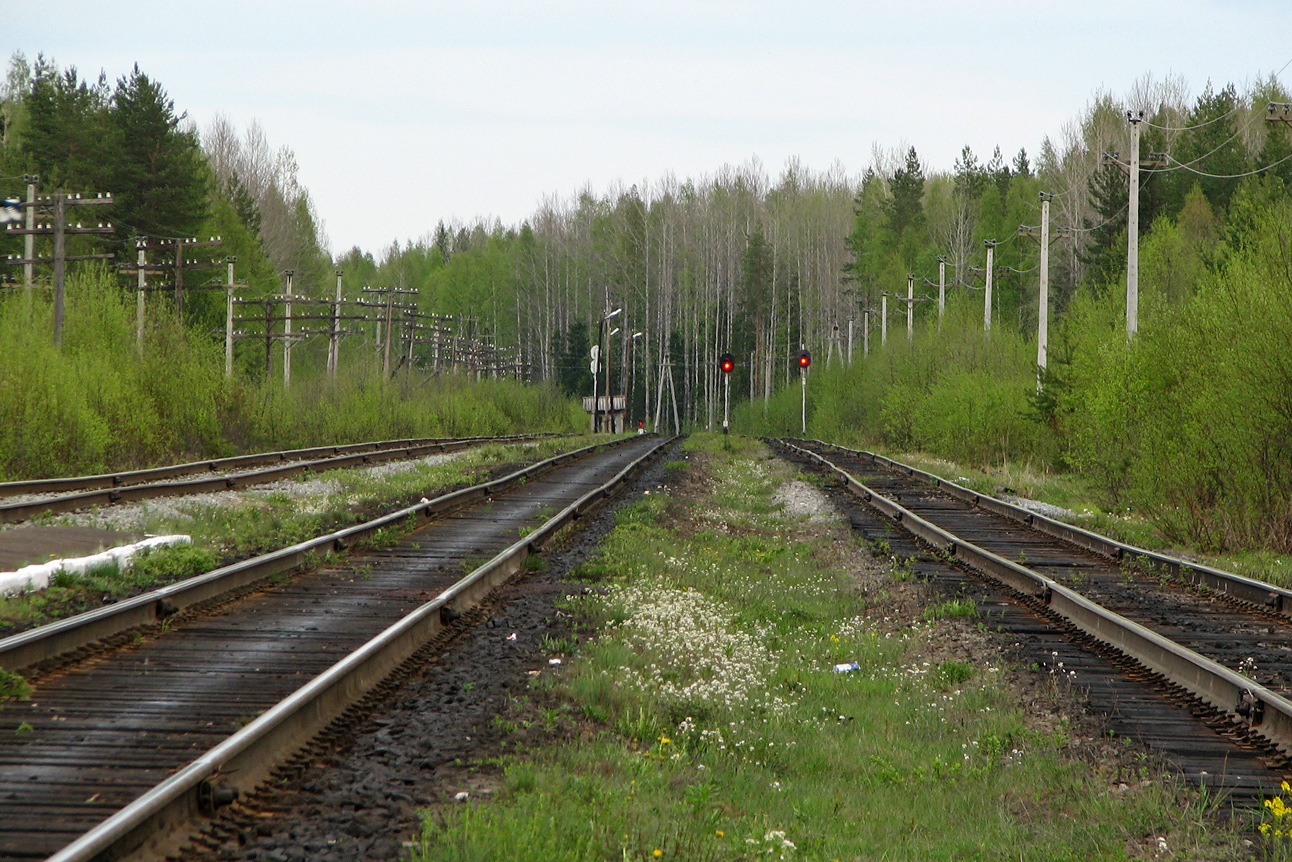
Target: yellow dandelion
x=664, y=740
x=657, y=853
x=1287, y=788
x=719, y=833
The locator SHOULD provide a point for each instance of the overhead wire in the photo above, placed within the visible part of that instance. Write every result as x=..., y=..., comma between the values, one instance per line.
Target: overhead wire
x=1214, y=150
x=1252, y=172
x=1228, y=113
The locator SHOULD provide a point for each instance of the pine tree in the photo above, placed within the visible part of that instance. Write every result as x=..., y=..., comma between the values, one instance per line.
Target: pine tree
x=906, y=205
x=1107, y=232
x=161, y=177
x=69, y=140
x=1212, y=146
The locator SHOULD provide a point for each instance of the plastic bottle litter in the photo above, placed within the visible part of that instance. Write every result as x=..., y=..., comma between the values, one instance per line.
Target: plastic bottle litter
x=553, y=661
x=847, y=667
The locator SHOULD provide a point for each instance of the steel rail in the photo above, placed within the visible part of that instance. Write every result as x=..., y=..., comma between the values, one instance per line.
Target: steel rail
x=102, y=497
x=1270, y=597
x=245, y=759
x=235, y=462
x=65, y=636
x=1244, y=700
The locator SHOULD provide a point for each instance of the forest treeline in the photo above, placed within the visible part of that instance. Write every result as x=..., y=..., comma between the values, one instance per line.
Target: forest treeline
x=1189, y=420
x=100, y=402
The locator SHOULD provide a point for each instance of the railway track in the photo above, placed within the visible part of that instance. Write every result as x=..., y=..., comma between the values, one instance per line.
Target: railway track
x=22, y=500
x=1216, y=645
x=121, y=751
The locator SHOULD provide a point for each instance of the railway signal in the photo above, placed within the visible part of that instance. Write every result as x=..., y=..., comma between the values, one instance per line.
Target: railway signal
x=804, y=360
x=727, y=363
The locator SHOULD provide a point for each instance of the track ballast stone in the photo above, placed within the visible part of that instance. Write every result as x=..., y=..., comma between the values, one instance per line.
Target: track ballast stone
x=434, y=738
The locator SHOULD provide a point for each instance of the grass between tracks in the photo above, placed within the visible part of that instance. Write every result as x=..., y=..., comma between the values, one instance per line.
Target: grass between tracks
x=719, y=729
x=255, y=522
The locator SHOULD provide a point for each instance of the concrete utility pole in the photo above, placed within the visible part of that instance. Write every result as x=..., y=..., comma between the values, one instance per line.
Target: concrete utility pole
x=334, y=342
x=287, y=331
x=910, y=306
x=865, y=329
x=29, y=241
x=228, y=321
x=986, y=303
x=942, y=287
x=850, y=342
x=1132, y=230
x=141, y=244
x=1043, y=298
x=883, y=320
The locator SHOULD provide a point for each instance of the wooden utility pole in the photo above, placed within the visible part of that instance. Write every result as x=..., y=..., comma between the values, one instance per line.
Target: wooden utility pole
x=181, y=246
x=389, y=305
x=59, y=230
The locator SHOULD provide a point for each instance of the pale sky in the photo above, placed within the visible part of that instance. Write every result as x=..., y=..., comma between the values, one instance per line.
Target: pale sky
x=402, y=113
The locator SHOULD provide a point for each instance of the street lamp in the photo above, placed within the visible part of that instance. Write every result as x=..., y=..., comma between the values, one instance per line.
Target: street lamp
x=596, y=356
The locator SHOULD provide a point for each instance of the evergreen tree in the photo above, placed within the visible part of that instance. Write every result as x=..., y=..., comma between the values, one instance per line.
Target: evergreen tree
x=970, y=176
x=1102, y=255
x=1212, y=146
x=999, y=172
x=70, y=141
x=1021, y=166
x=575, y=374
x=905, y=208
x=161, y=178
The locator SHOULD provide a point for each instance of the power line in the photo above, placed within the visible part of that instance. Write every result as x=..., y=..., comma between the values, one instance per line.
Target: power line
x=1214, y=150
x=1233, y=176
x=1228, y=113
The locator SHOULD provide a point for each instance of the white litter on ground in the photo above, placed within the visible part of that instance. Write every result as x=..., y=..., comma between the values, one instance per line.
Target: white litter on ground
x=801, y=500
x=38, y=576
x=1046, y=509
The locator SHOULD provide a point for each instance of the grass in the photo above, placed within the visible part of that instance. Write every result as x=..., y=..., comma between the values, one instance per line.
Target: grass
x=263, y=523
x=718, y=729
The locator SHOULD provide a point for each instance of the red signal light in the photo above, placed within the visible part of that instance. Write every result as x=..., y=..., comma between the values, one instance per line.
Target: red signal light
x=727, y=363
x=805, y=358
